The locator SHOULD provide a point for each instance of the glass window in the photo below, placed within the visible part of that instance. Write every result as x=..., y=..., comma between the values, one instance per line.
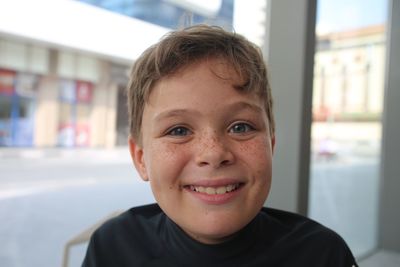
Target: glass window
x=346, y=128
x=5, y=108
x=169, y=14
x=5, y=120
x=74, y=113
x=65, y=115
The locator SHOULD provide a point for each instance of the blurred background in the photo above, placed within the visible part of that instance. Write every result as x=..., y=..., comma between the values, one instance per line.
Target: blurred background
x=64, y=162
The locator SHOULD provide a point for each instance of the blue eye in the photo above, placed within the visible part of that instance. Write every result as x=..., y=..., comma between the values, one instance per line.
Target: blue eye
x=241, y=128
x=179, y=131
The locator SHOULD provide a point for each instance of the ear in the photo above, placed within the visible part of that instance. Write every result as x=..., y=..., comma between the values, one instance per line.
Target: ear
x=273, y=144
x=137, y=155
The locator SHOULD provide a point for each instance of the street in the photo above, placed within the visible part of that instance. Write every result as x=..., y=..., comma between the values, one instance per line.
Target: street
x=44, y=202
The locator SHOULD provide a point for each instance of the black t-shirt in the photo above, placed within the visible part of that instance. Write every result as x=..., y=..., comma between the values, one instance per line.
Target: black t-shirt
x=145, y=236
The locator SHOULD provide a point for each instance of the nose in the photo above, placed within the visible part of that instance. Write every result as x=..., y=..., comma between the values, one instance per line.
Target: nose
x=214, y=151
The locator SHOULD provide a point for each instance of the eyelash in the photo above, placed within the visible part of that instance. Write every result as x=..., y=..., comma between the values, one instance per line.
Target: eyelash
x=174, y=129
x=249, y=128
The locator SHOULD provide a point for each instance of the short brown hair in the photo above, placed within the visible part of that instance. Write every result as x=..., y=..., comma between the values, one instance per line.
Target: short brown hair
x=182, y=47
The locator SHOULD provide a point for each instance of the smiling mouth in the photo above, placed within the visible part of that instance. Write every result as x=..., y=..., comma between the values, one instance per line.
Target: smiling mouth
x=215, y=190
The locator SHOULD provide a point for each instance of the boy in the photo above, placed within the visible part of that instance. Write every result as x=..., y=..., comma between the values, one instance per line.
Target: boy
x=202, y=134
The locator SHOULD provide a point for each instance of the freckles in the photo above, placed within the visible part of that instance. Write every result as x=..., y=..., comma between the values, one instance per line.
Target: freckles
x=247, y=150
x=203, y=144
x=257, y=149
x=165, y=152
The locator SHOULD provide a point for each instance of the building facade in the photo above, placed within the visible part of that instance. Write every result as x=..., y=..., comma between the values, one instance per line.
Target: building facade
x=61, y=98
x=349, y=75
x=62, y=81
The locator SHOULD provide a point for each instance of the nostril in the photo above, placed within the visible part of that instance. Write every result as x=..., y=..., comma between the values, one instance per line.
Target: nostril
x=203, y=163
x=225, y=162
x=215, y=154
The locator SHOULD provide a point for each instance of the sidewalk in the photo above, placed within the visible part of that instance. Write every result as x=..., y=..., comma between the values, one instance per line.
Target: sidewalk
x=112, y=154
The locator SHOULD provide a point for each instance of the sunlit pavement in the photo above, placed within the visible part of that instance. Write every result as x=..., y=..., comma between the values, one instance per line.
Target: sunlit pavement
x=49, y=196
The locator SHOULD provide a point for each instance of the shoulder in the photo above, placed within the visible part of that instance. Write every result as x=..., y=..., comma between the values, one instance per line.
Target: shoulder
x=300, y=236
x=135, y=214
x=298, y=225
x=126, y=238
x=133, y=221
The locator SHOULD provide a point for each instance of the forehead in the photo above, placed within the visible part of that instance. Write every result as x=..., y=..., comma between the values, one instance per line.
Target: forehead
x=214, y=70
x=209, y=84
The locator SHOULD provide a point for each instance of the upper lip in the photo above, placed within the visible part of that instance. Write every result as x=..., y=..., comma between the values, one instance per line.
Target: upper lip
x=215, y=182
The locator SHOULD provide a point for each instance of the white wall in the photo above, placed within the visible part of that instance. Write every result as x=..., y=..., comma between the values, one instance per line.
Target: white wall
x=72, y=24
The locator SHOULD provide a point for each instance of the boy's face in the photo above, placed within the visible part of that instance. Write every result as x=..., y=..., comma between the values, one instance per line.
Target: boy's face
x=206, y=150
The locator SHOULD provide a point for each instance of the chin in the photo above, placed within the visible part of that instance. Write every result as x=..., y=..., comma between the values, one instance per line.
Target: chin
x=217, y=231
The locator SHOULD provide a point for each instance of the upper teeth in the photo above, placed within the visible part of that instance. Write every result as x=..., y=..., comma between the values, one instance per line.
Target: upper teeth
x=214, y=190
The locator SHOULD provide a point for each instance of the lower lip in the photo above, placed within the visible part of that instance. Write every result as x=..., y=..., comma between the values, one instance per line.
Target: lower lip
x=217, y=199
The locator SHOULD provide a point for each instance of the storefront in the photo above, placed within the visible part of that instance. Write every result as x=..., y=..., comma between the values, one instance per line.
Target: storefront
x=57, y=98
x=18, y=92
x=75, y=103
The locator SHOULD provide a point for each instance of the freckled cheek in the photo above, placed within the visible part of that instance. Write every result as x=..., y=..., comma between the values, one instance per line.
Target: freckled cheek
x=257, y=148
x=165, y=162
x=257, y=153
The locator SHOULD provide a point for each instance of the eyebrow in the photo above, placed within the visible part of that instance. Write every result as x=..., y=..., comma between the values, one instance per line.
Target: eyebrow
x=174, y=113
x=245, y=105
x=237, y=106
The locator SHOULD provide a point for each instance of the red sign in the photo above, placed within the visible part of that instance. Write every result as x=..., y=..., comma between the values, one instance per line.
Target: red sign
x=70, y=135
x=7, y=78
x=84, y=92
x=82, y=135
